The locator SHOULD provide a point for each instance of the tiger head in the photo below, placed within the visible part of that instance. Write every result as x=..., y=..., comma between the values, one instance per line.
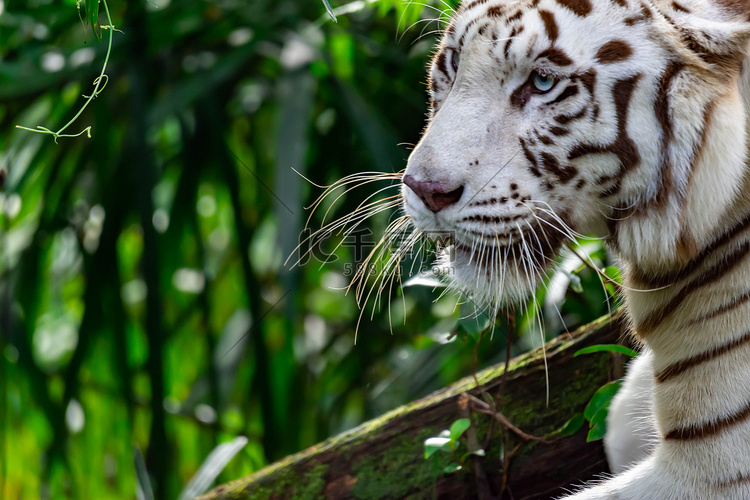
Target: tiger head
x=622, y=119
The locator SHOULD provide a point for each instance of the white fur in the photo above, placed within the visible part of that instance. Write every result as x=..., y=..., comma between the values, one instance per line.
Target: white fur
x=631, y=427
x=472, y=141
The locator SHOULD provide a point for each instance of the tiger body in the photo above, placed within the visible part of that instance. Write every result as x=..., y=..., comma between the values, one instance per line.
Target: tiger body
x=627, y=120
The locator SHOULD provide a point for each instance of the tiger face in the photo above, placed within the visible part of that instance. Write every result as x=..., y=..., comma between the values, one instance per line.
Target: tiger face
x=551, y=118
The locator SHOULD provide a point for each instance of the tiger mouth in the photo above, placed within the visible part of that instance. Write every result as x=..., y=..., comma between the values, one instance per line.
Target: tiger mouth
x=535, y=245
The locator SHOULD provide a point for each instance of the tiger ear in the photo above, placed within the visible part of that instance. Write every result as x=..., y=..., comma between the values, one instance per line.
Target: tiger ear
x=717, y=33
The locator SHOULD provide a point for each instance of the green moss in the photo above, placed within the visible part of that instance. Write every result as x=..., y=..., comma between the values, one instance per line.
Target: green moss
x=532, y=415
x=395, y=473
x=284, y=483
x=315, y=483
x=399, y=469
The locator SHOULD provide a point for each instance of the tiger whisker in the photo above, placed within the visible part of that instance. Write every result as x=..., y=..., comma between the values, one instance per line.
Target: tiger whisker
x=393, y=265
x=433, y=32
x=339, y=224
x=550, y=211
x=617, y=285
x=325, y=215
x=529, y=272
x=391, y=232
x=381, y=247
x=427, y=22
x=361, y=178
x=545, y=281
x=415, y=235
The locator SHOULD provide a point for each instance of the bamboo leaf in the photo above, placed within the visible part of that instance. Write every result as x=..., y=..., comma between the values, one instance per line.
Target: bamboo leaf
x=212, y=467
x=597, y=431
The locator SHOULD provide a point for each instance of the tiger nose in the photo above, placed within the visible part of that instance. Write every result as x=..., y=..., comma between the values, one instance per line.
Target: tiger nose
x=432, y=193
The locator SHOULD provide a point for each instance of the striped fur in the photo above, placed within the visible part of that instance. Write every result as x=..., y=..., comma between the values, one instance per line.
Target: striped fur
x=642, y=139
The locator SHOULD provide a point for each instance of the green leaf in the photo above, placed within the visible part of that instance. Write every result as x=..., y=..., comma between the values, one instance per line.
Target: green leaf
x=330, y=11
x=433, y=444
x=570, y=427
x=598, y=408
x=92, y=16
x=613, y=273
x=597, y=431
x=212, y=467
x=601, y=399
x=607, y=348
x=459, y=427
x=451, y=468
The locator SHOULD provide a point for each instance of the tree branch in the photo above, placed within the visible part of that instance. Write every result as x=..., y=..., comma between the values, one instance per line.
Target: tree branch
x=384, y=458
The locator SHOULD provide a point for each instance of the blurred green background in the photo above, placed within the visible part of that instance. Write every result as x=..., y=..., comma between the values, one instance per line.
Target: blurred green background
x=144, y=299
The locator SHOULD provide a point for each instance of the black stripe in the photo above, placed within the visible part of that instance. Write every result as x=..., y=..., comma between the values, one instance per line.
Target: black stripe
x=670, y=278
x=565, y=119
x=684, y=365
x=570, y=91
x=698, y=431
x=733, y=304
x=725, y=265
x=440, y=62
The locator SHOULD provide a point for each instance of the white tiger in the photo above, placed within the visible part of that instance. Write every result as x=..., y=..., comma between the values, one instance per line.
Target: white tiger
x=624, y=119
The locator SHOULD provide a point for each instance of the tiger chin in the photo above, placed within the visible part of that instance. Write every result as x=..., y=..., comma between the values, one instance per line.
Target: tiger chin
x=626, y=120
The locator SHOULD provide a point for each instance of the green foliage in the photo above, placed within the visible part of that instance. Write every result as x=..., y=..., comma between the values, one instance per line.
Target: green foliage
x=597, y=408
x=448, y=442
x=570, y=427
x=143, y=294
x=92, y=16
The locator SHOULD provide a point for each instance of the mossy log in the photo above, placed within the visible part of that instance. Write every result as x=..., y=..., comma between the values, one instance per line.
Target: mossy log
x=384, y=458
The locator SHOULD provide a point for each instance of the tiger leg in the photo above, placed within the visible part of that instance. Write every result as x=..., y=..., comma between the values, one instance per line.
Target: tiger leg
x=649, y=468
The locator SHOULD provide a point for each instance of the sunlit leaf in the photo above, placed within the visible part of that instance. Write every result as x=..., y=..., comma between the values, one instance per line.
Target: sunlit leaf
x=433, y=444
x=428, y=280
x=575, y=283
x=330, y=11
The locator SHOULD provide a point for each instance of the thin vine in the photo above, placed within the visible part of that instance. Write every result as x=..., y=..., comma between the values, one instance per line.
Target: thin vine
x=99, y=84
